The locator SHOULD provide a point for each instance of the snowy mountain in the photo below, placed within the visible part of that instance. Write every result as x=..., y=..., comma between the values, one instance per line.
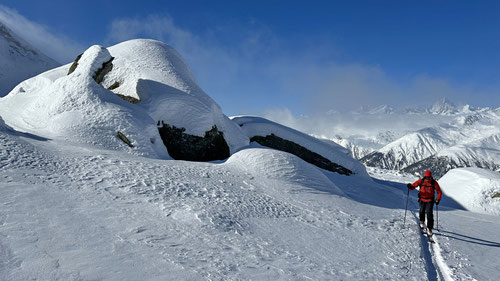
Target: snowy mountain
x=19, y=60
x=471, y=140
x=443, y=107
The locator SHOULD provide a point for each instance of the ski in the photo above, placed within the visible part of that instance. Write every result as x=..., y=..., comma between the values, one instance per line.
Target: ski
x=430, y=239
x=423, y=231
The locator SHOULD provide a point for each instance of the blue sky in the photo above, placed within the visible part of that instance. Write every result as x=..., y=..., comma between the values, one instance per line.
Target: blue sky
x=306, y=56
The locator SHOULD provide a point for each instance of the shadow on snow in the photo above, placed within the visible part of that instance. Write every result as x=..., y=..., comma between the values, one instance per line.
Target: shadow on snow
x=468, y=239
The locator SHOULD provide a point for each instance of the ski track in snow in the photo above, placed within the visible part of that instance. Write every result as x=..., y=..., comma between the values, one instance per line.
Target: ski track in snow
x=195, y=221
x=436, y=266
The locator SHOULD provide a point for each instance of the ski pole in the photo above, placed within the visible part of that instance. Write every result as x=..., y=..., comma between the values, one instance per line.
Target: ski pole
x=406, y=208
x=437, y=217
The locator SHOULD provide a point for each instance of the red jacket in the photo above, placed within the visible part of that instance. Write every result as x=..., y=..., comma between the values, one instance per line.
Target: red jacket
x=426, y=193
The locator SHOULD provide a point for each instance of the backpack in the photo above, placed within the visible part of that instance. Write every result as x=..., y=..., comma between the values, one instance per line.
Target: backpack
x=433, y=184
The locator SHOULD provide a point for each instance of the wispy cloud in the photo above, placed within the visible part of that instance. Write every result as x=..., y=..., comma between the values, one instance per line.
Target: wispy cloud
x=59, y=47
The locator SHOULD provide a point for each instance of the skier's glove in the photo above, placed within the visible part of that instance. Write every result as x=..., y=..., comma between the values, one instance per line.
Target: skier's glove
x=409, y=185
x=437, y=202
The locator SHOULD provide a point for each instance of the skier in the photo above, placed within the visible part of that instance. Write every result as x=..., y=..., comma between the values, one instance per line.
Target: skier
x=426, y=199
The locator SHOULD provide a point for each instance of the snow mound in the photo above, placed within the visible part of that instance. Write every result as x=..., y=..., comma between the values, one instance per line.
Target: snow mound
x=256, y=126
x=74, y=107
x=473, y=188
x=279, y=165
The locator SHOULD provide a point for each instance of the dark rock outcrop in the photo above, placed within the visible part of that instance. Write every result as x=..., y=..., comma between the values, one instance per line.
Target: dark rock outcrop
x=121, y=136
x=114, y=86
x=100, y=73
x=105, y=69
x=182, y=146
x=127, y=98
x=72, y=68
x=305, y=154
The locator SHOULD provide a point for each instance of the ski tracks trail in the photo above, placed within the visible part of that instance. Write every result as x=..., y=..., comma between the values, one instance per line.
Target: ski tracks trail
x=432, y=253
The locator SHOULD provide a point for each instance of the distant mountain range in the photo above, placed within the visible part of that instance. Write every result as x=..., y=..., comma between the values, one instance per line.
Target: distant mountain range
x=456, y=136
x=19, y=60
x=441, y=107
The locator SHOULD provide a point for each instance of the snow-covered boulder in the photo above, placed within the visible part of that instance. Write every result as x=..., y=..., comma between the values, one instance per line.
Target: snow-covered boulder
x=473, y=188
x=309, y=148
x=74, y=106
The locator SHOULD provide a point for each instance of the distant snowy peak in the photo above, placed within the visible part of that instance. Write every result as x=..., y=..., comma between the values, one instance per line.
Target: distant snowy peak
x=19, y=60
x=382, y=109
x=444, y=107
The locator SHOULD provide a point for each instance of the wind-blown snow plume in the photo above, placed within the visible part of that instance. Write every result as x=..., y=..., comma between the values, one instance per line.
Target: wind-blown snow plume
x=56, y=46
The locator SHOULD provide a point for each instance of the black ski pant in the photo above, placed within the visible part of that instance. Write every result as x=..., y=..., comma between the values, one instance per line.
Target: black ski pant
x=427, y=207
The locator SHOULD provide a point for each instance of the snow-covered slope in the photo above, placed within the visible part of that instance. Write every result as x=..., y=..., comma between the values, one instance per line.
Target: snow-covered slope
x=19, y=60
x=75, y=107
x=474, y=189
x=257, y=126
x=88, y=214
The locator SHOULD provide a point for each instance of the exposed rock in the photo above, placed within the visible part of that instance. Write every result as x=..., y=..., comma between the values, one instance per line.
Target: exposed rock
x=278, y=143
x=105, y=69
x=114, y=85
x=182, y=146
x=127, y=98
x=496, y=195
x=72, y=68
x=124, y=139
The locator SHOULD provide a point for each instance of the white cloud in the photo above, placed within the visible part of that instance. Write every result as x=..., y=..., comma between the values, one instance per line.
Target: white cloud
x=58, y=47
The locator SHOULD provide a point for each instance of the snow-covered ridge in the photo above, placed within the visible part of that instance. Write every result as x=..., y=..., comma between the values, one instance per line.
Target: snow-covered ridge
x=19, y=60
x=256, y=126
